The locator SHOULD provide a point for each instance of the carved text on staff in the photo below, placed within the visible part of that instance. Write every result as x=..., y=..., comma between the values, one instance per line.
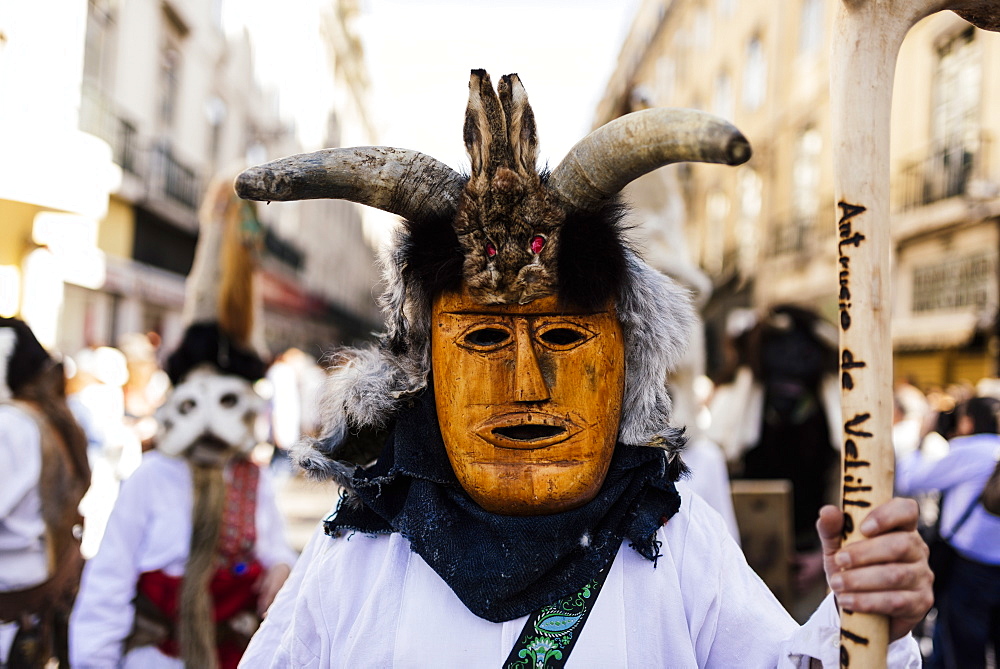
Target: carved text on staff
x=847, y=363
x=848, y=238
x=853, y=483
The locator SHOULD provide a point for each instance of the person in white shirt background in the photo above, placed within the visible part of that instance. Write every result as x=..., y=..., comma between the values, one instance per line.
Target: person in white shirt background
x=43, y=476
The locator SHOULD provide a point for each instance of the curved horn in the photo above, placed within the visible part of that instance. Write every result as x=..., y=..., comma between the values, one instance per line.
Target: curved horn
x=606, y=160
x=406, y=183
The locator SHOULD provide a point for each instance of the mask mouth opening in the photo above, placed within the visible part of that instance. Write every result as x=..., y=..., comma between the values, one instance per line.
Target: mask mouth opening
x=529, y=432
x=210, y=451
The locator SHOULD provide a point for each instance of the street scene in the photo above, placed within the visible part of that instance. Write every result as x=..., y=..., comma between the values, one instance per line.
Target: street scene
x=373, y=333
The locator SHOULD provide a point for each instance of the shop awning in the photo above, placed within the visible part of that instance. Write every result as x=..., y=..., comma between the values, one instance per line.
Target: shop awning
x=938, y=331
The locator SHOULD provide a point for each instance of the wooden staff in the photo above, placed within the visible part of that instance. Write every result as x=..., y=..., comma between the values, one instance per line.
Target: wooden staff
x=866, y=40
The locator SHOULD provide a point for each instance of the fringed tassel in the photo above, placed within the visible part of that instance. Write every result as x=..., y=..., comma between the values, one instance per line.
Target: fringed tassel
x=236, y=298
x=220, y=284
x=196, y=625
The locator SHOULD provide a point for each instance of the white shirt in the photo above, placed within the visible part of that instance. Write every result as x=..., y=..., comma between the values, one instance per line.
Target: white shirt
x=23, y=556
x=710, y=479
x=961, y=476
x=149, y=530
x=369, y=601
x=23, y=559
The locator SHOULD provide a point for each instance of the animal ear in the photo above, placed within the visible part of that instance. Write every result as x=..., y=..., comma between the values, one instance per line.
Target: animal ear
x=520, y=124
x=485, y=128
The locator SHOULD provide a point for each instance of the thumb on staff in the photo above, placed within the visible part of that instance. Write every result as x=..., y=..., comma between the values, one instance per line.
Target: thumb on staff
x=886, y=572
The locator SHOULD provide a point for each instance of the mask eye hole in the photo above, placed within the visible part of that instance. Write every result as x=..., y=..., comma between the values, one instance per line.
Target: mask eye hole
x=485, y=338
x=564, y=336
x=229, y=400
x=186, y=407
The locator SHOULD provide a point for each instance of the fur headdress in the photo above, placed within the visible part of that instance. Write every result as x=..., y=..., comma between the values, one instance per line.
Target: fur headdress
x=511, y=234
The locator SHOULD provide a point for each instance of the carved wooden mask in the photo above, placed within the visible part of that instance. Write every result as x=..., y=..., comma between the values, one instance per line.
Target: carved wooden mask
x=528, y=399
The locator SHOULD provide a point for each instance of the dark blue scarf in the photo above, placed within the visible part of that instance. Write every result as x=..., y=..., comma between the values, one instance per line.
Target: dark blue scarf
x=504, y=567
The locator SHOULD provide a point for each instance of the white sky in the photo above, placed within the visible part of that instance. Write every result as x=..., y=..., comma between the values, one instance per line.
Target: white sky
x=419, y=54
x=286, y=48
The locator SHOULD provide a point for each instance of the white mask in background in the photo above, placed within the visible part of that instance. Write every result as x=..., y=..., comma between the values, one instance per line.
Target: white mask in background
x=208, y=418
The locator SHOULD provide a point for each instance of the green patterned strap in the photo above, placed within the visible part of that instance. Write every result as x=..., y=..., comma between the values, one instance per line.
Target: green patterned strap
x=551, y=632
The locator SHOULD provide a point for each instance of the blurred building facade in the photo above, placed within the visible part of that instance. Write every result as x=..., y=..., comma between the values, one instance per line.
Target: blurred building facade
x=764, y=233
x=108, y=149
x=336, y=237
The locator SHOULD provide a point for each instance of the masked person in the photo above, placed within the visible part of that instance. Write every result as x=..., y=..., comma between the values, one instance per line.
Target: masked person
x=43, y=476
x=194, y=550
x=524, y=501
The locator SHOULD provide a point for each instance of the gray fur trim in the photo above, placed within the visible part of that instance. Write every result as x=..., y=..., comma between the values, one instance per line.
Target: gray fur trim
x=407, y=312
x=365, y=388
x=657, y=320
x=393, y=300
x=309, y=455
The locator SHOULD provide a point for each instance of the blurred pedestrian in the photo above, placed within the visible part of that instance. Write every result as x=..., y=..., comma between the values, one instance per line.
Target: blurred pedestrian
x=43, y=475
x=284, y=412
x=709, y=475
x=910, y=409
x=94, y=392
x=97, y=398
x=194, y=551
x=295, y=381
x=147, y=385
x=776, y=415
x=968, y=583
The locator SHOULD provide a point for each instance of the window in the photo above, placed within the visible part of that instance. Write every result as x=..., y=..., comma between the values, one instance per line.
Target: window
x=957, y=84
x=957, y=89
x=750, y=191
x=805, y=181
x=170, y=65
x=217, y=20
x=716, y=211
x=174, y=31
x=722, y=99
x=811, y=27
x=754, y=75
x=702, y=29
x=215, y=113
x=99, y=43
x=666, y=78
x=98, y=115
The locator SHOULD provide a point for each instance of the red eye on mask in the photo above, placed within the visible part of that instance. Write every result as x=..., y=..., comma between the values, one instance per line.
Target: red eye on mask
x=537, y=244
x=490, y=249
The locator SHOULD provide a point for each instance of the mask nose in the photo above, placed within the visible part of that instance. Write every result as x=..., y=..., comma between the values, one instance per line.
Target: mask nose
x=529, y=383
